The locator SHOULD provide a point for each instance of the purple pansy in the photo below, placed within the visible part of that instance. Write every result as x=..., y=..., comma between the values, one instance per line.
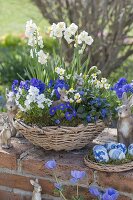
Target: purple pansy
x=51, y=164
x=61, y=106
x=14, y=86
x=79, y=175
x=52, y=110
x=58, y=186
x=104, y=112
x=88, y=118
x=68, y=116
x=38, y=84
x=110, y=194
x=57, y=121
x=95, y=191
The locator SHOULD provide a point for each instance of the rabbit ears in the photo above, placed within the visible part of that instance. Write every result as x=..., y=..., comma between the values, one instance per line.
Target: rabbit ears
x=34, y=183
x=130, y=101
x=61, y=91
x=126, y=100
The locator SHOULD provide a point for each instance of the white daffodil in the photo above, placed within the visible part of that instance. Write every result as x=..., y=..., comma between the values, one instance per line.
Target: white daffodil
x=88, y=40
x=30, y=28
x=81, y=37
x=42, y=57
x=73, y=28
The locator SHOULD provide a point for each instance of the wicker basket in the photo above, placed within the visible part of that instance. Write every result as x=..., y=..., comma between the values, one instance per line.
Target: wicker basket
x=108, y=167
x=60, y=138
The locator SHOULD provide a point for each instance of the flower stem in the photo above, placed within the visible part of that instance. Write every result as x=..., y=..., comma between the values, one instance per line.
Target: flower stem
x=77, y=190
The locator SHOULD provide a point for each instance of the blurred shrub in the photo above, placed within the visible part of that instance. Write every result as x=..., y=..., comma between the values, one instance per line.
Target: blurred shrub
x=14, y=57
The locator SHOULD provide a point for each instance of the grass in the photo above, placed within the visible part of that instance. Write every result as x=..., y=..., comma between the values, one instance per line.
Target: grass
x=15, y=13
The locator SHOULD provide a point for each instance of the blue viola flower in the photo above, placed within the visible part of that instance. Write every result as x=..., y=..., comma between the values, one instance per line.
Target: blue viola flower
x=74, y=113
x=61, y=106
x=60, y=84
x=68, y=116
x=88, y=118
x=14, y=86
x=52, y=110
x=58, y=186
x=104, y=112
x=127, y=88
x=68, y=105
x=57, y=121
x=50, y=84
x=77, y=175
x=81, y=93
x=25, y=85
x=38, y=84
x=51, y=164
x=95, y=191
x=110, y=194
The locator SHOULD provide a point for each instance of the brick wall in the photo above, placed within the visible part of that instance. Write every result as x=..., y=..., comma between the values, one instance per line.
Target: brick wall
x=24, y=162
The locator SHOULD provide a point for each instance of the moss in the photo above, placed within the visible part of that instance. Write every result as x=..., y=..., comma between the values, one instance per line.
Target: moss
x=128, y=159
x=45, y=120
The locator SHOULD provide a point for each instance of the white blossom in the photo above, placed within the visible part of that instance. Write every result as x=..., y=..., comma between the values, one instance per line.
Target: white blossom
x=42, y=57
x=30, y=28
x=73, y=28
x=57, y=29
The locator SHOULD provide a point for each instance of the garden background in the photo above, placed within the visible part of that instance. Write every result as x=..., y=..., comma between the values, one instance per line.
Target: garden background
x=109, y=22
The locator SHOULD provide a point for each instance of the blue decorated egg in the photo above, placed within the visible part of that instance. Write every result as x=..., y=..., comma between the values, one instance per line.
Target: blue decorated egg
x=130, y=149
x=122, y=147
x=110, y=145
x=98, y=147
x=116, y=154
x=100, y=153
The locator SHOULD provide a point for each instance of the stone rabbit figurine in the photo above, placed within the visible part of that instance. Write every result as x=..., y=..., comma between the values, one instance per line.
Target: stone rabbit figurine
x=125, y=121
x=5, y=135
x=63, y=97
x=37, y=190
x=11, y=110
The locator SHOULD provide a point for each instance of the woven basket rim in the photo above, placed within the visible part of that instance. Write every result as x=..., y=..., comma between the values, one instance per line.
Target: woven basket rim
x=24, y=124
x=108, y=167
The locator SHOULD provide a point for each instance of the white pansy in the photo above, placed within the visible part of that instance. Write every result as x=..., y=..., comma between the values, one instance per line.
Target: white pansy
x=30, y=28
x=42, y=57
x=40, y=105
x=27, y=104
x=48, y=102
x=41, y=98
x=33, y=90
